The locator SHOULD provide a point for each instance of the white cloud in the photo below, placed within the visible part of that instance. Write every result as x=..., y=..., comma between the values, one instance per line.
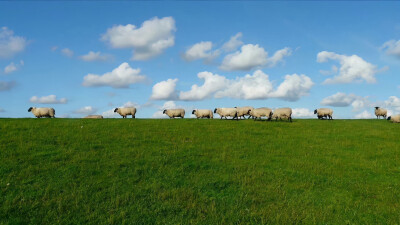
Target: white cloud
x=302, y=112
x=149, y=40
x=343, y=100
x=212, y=83
x=352, y=68
x=364, y=115
x=233, y=43
x=95, y=56
x=86, y=110
x=393, y=103
x=256, y=86
x=392, y=47
x=5, y=86
x=10, y=44
x=54, y=48
x=67, y=52
x=252, y=56
x=164, y=90
x=51, y=99
x=201, y=50
x=293, y=87
x=12, y=67
x=120, y=77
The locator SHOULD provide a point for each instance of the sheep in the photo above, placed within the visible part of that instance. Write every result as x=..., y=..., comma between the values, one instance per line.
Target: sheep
x=260, y=112
x=203, y=113
x=225, y=112
x=243, y=111
x=395, y=118
x=380, y=112
x=94, y=117
x=124, y=112
x=323, y=113
x=42, y=112
x=282, y=113
x=172, y=113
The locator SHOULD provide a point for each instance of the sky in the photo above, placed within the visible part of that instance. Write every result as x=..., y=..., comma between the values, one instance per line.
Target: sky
x=90, y=57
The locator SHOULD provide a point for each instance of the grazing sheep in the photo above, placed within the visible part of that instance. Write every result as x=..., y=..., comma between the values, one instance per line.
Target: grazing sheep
x=243, y=111
x=380, y=112
x=42, y=112
x=282, y=113
x=261, y=112
x=94, y=117
x=395, y=118
x=124, y=112
x=203, y=113
x=172, y=113
x=323, y=113
x=225, y=112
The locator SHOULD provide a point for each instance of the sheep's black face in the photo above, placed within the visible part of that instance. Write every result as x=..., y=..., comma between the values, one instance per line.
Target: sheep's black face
x=315, y=111
x=193, y=111
x=389, y=118
x=248, y=112
x=376, y=107
x=30, y=109
x=215, y=110
x=235, y=107
x=116, y=109
x=164, y=111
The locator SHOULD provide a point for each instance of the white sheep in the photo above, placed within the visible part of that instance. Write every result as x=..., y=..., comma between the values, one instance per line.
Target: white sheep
x=172, y=113
x=282, y=113
x=225, y=112
x=395, y=118
x=94, y=117
x=323, y=113
x=261, y=112
x=124, y=112
x=243, y=111
x=203, y=113
x=380, y=112
x=42, y=112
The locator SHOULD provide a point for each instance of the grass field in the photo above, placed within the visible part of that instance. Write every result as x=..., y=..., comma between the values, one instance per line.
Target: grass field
x=124, y=171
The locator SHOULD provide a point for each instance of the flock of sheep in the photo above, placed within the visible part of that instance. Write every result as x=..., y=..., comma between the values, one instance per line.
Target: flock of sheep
x=234, y=113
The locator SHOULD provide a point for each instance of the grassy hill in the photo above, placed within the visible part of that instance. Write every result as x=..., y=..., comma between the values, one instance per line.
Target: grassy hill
x=124, y=171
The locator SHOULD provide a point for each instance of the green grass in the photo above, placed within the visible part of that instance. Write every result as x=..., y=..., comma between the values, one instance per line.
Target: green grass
x=124, y=171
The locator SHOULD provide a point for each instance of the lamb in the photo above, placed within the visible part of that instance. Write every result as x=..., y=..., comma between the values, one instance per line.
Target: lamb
x=42, y=112
x=172, y=113
x=323, y=113
x=94, y=117
x=203, y=113
x=282, y=113
x=225, y=112
x=395, y=118
x=261, y=112
x=124, y=112
x=243, y=111
x=380, y=112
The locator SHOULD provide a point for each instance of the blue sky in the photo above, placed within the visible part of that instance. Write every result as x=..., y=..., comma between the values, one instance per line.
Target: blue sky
x=304, y=55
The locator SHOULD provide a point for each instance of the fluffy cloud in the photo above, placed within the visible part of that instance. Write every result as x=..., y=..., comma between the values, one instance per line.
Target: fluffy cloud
x=5, y=86
x=86, y=110
x=252, y=56
x=12, y=67
x=10, y=44
x=364, y=115
x=149, y=40
x=201, y=50
x=67, y=52
x=120, y=77
x=95, y=56
x=352, y=68
x=212, y=83
x=302, y=112
x=392, y=47
x=343, y=100
x=51, y=99
x=164, y=90
x=233, y=43
x=256, y=86
x=393, y=103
